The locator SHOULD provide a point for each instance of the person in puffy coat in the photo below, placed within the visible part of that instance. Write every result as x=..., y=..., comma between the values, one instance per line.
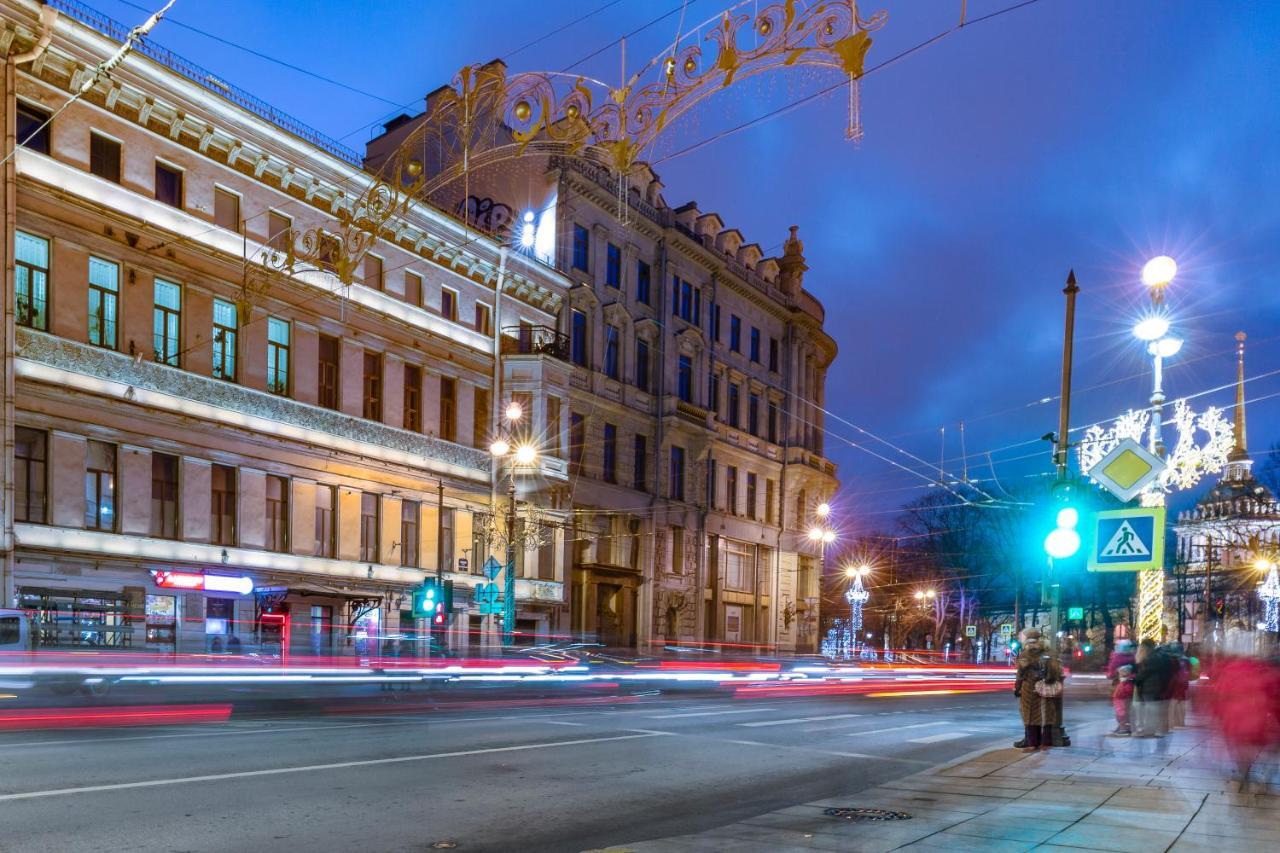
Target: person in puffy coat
x=1120, y=671
x=1038, y=686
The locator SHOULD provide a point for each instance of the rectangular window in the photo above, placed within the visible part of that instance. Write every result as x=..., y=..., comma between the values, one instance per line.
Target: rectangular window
x=409, y=534
x=643, y=282
x=30, y=459
x=31, y=281
x=277, y=513
x=372, y=408
x=448, y=409
x=369, y=527
x=713, y=488
x=578, y=344
x=446, y=544
x=773, y=423
x=753, y=414
x=581, y=247
x=715, y=322
x=770, y=498
x=735, y=333
x=755, y=344
x=277, y=355
x=642, y=364
x=613, y=266
x=735, y=404
x=166, y=321
x=330, y=355
x=168, y=184
x=713, y=393
x=737, y=566
x=639, y=463
x=686, y=300
x=413, y=288
x=555, y=442
x=484, y=319
x=577, y=442
x=676, y=485
x=104, y=285
x=731, y=489
x=480, y=415
x=226, y=209
x=222, y=520
x=611, y=351
x=684, y=379
x=751, y=496
x=100, y=487
x=373, y=272
x=412, y=398
x=326, y=513
x=773, y=354
x=164, y=496
x=33, y=129
x=224, y=340
x=449, y=304
x=104, y=157
x=610, y=473
x=677, y=550
x=279, y=227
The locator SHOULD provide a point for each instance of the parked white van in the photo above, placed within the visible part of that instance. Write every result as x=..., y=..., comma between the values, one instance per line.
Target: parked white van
x=15, y=631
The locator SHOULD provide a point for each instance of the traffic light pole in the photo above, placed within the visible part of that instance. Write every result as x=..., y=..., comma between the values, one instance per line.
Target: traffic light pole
x=509, y=571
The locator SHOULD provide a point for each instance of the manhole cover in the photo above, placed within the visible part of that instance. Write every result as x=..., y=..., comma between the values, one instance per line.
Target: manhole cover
x=443, y=845
x=860, y=815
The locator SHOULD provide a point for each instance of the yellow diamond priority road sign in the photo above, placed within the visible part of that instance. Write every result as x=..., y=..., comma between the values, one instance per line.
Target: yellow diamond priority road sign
x=1127, y=469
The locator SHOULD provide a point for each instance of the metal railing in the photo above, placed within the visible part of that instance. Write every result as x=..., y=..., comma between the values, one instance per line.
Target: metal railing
x=203, y=77
x=535, y=340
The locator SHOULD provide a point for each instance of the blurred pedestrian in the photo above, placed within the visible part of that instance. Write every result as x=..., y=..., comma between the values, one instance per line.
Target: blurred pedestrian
x=1038, y=686
x=1179, y=685
x=233, y=645
x=1244, y=700
x=1152, y=686
x=1120, y=671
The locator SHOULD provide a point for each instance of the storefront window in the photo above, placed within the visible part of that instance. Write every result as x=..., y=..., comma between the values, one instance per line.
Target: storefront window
x=162, y=619
x=77, y=617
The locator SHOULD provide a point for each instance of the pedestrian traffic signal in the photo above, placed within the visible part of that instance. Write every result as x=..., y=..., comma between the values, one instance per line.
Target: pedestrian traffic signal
x=1063, y=541
x=426, y=598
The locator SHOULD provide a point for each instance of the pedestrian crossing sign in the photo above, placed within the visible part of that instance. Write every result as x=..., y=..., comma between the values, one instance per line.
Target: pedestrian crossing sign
x=1128, y=540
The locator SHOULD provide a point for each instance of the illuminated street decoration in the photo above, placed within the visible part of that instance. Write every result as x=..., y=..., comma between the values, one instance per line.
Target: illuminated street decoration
x=857, y=596
x=1186, y=463
x=1269, y=592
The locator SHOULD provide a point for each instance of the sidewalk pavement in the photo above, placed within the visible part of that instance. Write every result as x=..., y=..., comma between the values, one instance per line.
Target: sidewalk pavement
x=1170, y=794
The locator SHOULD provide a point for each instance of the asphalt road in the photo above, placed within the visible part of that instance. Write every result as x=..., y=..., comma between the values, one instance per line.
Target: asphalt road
x=548, y=777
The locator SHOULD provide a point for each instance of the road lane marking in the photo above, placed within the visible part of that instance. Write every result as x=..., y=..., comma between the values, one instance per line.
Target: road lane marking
x=938, y=738
x=707, y=713
x=795, y=720
x=561, y=723
x=310, y=768
x=895, y=729
x=830, y=752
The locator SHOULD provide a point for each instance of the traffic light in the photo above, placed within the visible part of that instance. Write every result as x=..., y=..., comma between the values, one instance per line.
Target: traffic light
x=434, y=601
x=1063, y=541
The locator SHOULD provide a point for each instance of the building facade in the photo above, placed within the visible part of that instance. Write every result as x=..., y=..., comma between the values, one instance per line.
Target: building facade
x=200, y=448
x=696, y=371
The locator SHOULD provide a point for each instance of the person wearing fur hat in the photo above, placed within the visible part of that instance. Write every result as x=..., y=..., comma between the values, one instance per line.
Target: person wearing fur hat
x=1038, y=687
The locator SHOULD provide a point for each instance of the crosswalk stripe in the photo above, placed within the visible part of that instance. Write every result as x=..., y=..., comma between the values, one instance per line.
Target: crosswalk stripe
x=895, y=729
x=706, y=713
x=938, y=737
x=800, y=720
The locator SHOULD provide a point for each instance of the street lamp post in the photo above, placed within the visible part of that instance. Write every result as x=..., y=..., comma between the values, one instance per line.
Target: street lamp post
x=518, y=454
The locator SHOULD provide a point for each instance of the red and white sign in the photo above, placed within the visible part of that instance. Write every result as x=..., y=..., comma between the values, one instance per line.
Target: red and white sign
x=198, y=580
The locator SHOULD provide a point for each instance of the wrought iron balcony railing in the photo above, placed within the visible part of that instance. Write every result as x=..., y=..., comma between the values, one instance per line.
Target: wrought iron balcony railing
x=535, y=340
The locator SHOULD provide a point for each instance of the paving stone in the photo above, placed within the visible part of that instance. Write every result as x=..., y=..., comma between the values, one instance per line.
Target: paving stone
x=1103, y=837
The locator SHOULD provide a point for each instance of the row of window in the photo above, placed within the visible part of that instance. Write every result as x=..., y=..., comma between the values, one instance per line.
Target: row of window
x=106, y=157
x=686, y=298
x=31, y=304
x=31, y=459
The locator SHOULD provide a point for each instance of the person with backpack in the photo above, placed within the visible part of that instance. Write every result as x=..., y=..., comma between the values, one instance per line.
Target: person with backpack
x=1038, y=686
x=1153, y=686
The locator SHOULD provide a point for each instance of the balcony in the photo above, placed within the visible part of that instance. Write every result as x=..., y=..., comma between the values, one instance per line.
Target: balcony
x=535, y=340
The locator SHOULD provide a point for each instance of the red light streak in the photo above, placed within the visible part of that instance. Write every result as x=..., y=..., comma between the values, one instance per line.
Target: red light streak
x=125, y=715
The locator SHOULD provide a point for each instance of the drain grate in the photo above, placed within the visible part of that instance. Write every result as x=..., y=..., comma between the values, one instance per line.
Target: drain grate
x=860, y=815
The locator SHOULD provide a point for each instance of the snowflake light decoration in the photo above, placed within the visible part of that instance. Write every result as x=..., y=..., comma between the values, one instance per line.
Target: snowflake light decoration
x=1187, y=462
x=1269, y=592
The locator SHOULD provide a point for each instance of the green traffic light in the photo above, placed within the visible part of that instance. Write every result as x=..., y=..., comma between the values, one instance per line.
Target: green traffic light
x=1063, y=541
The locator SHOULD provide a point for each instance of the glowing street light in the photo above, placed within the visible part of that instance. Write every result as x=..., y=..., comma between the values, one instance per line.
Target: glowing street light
x=823, y=510
x=526, y=454
x=1159, y=271
x=528, y=233
x=513, y=412
x=1165, y=347
x=1151, y=328
x=499, y=447
x=815, y=534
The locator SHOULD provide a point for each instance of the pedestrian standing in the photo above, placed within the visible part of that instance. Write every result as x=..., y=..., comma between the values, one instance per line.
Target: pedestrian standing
x=1038, y=686
x=1120, y=671
x=1179, y=685
x=1152, y=686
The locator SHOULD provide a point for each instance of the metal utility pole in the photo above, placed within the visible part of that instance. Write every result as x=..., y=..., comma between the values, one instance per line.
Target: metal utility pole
x=1062, y=486
x=509, y=574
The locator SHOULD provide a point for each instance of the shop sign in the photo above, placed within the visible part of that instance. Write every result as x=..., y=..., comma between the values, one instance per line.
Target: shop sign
x=199, y=581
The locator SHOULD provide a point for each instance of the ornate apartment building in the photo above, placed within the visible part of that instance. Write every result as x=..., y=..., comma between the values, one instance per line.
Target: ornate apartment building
x=696, y=369
x=199, y=448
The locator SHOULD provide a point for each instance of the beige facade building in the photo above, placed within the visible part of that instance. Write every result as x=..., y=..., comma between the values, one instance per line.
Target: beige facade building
x=696, y=369
x=190, y=460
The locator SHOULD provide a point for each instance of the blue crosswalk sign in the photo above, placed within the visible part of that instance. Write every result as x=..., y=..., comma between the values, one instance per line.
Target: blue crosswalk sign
x=1128, y=540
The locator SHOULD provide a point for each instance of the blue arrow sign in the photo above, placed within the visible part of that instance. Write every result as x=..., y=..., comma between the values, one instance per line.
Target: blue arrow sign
x=486, y=596
x=1128, y=540
x=492, y=567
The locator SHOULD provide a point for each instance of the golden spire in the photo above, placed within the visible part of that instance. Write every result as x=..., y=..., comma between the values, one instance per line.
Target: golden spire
x=1241, y=450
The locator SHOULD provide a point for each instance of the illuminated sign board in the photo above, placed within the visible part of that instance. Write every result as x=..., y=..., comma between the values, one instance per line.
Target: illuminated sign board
x=239, y=585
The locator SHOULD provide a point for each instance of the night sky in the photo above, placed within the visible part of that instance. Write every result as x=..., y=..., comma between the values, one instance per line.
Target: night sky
x=1063, y=134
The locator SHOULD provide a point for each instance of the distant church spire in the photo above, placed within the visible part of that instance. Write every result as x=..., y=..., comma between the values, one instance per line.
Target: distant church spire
x=1242, y=446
